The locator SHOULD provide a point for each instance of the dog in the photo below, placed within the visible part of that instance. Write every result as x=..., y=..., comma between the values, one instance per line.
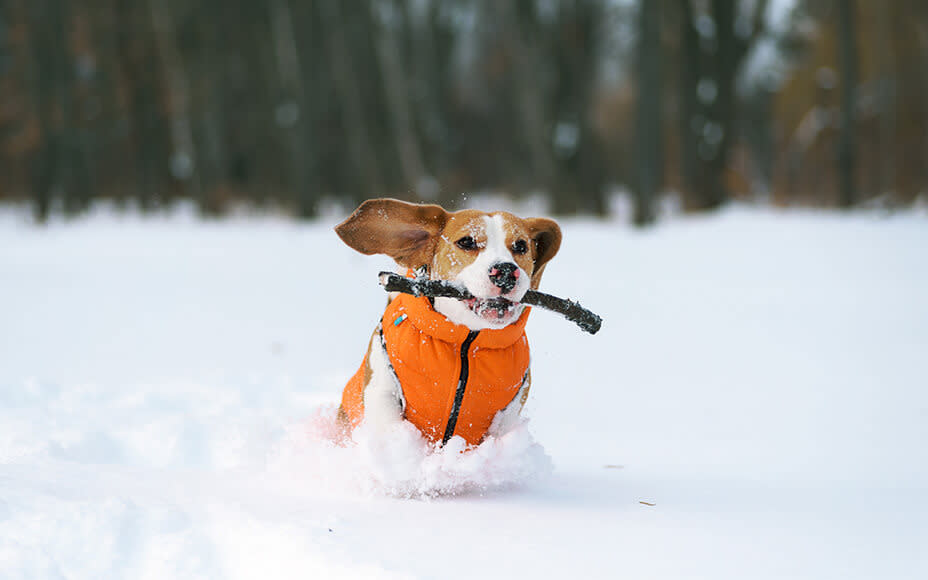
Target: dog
x=449, y=367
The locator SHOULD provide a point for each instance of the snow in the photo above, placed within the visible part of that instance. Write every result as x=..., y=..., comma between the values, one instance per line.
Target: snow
x=166, y=390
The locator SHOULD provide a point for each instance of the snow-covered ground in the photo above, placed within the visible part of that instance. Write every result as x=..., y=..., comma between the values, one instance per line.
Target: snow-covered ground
x=761, y=379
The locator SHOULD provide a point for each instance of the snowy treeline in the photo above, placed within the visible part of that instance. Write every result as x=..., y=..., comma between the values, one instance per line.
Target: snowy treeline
x=287, y=102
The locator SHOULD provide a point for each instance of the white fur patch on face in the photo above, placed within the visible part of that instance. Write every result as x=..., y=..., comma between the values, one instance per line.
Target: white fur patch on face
x=481, y=314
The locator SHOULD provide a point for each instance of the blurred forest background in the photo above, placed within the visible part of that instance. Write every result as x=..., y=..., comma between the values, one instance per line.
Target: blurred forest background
x=288, y=103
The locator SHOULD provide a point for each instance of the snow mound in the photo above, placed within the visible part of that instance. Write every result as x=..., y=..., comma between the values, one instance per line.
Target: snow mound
x=401, y=462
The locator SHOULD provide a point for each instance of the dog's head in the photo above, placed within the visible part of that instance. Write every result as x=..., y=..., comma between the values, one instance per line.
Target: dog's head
x=496, y=256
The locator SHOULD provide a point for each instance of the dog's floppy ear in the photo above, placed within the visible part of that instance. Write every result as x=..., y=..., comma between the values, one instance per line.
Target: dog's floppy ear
x=546, y=240
x=406, y=232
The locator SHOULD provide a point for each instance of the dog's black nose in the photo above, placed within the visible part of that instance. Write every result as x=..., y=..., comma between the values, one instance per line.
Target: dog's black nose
x=504, y=275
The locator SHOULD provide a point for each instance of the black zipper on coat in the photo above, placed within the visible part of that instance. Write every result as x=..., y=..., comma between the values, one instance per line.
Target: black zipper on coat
x=462, y=384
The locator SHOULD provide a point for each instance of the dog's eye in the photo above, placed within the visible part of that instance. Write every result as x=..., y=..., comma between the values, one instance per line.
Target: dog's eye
x=519, y=247
x=467, y=243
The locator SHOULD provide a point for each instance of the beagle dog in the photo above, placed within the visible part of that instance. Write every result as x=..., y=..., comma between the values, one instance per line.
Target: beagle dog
x=449, y=367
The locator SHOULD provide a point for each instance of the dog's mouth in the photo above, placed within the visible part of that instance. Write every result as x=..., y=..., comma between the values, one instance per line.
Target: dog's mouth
x=493, y=309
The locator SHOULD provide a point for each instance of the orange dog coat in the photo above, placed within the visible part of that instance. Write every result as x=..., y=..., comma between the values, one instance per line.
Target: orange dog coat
x=454, y=379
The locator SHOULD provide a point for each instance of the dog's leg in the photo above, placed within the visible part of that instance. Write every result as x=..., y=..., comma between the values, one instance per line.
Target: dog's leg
x=508, y=417
x=383, y=397
x=392, y=446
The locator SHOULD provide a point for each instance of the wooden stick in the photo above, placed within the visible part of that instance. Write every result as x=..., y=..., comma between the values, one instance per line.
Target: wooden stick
x=585, y=319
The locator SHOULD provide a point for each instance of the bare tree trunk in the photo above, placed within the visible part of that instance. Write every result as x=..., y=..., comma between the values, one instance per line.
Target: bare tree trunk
x=922, y=32
x=580, y=160
x=757, y=131
x=134, y=47
x=211, y=69
x=49, y=169
x=524, y=33
x=436, y=59
x=4, y=55
x=690, y=70
x=86, y=111
x=887, y=99
x=110, y=176
x=431, y=61
x=291, y=116
x=183, y=157
x=318, y=98
x=369, y=180
x=649, y=123
x=722, y=53
x=397, y=92
x=847, y=57
x=719, y=130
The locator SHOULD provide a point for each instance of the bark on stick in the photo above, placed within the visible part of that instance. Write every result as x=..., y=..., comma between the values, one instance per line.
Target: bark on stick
x=585, y=319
